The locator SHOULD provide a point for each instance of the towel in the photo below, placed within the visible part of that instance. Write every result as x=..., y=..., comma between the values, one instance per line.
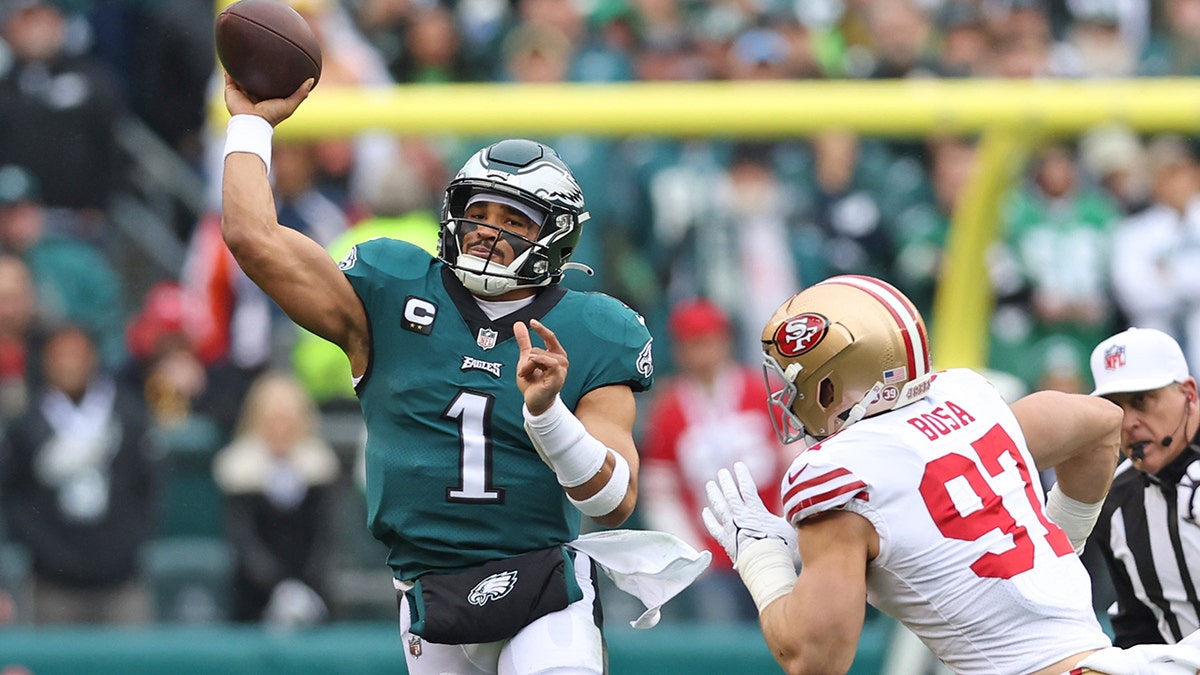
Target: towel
x=651, y=566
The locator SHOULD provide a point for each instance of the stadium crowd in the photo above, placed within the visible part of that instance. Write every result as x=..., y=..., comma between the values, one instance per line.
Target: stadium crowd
x=85, y=286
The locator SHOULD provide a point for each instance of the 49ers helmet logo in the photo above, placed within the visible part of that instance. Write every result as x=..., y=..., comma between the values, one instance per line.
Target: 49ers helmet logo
x=800, y=333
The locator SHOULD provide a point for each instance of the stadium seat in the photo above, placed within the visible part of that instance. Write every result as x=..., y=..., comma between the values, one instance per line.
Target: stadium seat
x=189, y=578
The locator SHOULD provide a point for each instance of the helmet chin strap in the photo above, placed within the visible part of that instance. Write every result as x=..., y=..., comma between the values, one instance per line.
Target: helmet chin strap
x=860, y=409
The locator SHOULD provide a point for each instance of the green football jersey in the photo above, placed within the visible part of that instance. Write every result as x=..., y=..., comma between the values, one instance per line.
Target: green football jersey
x=452, y=477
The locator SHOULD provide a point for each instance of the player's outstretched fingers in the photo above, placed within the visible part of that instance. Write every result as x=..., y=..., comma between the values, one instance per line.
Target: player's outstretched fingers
x=746, y=484
x=552, y=343
x=728, y=487
x=717, y=502
x=521, y=334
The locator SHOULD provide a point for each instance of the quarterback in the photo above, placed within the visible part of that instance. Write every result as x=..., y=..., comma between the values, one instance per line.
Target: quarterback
x=483, y=448
x=918, y=492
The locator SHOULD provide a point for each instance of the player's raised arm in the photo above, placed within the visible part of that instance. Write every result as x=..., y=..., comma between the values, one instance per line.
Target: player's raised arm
x=1079, y=436
x=294, y=270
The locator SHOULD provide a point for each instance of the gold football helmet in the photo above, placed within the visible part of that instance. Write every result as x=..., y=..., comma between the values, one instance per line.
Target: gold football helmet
x=847, y=348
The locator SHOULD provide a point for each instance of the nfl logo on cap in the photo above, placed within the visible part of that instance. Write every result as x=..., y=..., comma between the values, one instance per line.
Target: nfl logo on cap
x=1114, y=357
x=1136, y=360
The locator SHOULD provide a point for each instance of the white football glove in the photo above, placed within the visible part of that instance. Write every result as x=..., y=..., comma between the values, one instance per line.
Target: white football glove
x=737, y=517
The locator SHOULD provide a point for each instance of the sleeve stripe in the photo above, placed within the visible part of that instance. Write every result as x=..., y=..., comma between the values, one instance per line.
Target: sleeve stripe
x=826, y=496
x=815, y=481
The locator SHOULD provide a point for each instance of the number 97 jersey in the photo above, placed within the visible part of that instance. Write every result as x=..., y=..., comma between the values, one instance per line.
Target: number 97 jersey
x=968, y=560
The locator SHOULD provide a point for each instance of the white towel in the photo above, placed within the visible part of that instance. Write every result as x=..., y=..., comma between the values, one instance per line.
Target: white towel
x=651, y=566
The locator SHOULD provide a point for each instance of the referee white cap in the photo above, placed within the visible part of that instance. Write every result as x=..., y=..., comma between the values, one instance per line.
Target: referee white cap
x=1138, y=359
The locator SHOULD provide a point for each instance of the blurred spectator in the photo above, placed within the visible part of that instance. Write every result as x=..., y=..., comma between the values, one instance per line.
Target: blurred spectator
x=299, y=202
x=431, y=49
x=725, y=225
x=1058, y=231
x=1175, y=48
x=536, y=54
x=1094, y=45
x=769, y=250
x=848, y=204
x=57, y=110
x=965, y=43
x=190, y=404
x=921, y=230
x=74, y=281
x=770, y=54
x=709, y=415
x=902, y=39
x=78, y=489
x=20, y=339
x=172, y=61
x=1114, y=157
x=280, y=482
x=613, y=41
x=1156, y=253
x=347, y=60
x=1022, y=42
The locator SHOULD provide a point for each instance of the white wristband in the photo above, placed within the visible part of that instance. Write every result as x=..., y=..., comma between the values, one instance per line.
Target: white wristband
x=767, y=571
x=565, y=444
x=1076, y=518
x=609, y=497
x=252, y=134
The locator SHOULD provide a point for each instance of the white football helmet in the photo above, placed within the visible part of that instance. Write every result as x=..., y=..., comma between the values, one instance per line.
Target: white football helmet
x=530, y=173
x=847, y=348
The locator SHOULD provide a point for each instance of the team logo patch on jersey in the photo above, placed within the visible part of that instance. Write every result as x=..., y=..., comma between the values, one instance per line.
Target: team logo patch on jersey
x=1114, y=357
x=349, y=260
x=801, y=333
x=491, y=588
x=486, y=339
x=419, y=315
x=470, y=363
x=645, y=360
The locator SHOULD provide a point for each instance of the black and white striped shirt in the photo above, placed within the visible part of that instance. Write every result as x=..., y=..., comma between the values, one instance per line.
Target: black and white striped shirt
x=1149, y=535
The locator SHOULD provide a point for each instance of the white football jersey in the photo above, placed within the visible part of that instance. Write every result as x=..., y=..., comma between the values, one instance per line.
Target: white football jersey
x=968, y=560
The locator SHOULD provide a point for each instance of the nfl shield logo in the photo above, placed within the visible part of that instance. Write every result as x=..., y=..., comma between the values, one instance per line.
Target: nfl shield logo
x=414, y=646
x=1114, y=357
x=486, y=338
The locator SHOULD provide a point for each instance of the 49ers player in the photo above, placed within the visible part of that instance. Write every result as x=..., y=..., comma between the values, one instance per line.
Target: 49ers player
x=918, y=492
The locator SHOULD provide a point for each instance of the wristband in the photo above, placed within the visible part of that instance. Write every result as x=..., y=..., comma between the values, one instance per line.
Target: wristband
x=252, y=134
x=565, y=444
x=767, y=571
x=1076, y=518
x=611, y=495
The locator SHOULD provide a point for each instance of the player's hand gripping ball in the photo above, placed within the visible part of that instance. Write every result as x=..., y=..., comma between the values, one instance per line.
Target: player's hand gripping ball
x=267, y=47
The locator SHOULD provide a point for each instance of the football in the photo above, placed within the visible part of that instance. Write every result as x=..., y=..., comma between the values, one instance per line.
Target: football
x=267, y=48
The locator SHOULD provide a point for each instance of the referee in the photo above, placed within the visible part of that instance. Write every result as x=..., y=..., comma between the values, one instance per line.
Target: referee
x=1148, y=532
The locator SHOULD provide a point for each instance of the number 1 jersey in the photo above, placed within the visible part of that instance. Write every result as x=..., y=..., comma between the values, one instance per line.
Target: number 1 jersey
x=967, y=559
x=452, y=478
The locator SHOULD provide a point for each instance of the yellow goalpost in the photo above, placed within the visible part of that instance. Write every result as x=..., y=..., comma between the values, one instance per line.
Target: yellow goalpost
x=1009, y=116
